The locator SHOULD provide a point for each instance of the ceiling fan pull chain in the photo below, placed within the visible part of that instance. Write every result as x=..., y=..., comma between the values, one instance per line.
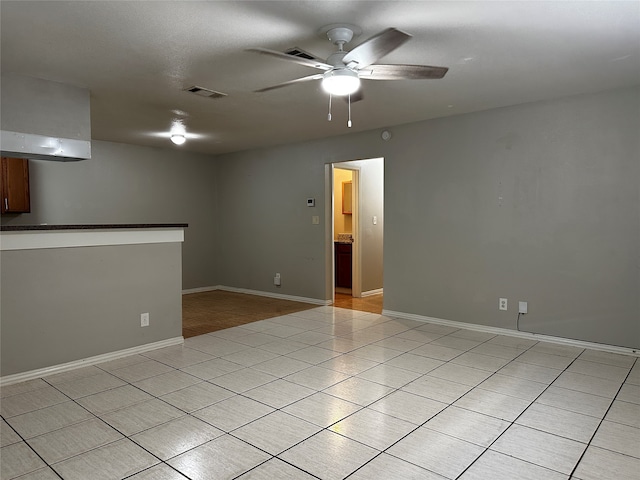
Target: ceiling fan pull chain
x=329, y=116
x=349, y=122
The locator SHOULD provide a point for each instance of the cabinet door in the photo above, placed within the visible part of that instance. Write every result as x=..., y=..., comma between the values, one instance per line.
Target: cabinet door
x=343, y=265
x=15, y=185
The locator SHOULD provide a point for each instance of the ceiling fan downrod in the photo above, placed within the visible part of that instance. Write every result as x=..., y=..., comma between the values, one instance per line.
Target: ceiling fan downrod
x=339, y=36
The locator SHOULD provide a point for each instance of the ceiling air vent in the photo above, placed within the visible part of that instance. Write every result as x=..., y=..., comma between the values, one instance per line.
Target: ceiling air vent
x=205, y=92
x=298, y=52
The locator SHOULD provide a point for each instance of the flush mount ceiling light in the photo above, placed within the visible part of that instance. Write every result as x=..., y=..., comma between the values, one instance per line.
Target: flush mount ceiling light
x=178, y=138
x=341, y=82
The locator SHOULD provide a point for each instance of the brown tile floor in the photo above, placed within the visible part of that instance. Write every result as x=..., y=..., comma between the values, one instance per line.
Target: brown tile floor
x=207, y=312
x=372, y=304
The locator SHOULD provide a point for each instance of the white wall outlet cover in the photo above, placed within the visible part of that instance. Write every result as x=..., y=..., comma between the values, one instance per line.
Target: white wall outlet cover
x=523, y=307
x=315, y=220
x=311, y=202
x=144, y=319
x=502, y=304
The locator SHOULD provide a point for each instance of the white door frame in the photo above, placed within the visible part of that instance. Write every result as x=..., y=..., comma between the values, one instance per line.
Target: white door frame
x=356, y=253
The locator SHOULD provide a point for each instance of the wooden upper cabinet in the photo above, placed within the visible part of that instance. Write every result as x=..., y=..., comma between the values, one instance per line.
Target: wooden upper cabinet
x=15, y=185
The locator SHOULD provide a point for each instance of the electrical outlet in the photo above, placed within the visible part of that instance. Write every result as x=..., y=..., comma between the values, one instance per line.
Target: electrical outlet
x=144, y=319
x=523, y=307
x=502, y=304
x=276, y=280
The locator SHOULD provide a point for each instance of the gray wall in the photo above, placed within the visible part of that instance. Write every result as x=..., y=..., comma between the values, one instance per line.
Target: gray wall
x=266, y=224
x=133, y=184
x=43, y=107
x=65, y=304
x=536, y=202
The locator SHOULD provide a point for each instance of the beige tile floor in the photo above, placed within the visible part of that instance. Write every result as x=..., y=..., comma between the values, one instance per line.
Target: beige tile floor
x=332, y=393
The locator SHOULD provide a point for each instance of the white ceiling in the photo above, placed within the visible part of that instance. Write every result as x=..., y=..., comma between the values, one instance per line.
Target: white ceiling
x=136, y=57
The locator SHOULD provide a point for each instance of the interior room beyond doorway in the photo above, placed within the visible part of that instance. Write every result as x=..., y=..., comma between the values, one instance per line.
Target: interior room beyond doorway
x=371, y=304
x=357, y=229
x=343, y=232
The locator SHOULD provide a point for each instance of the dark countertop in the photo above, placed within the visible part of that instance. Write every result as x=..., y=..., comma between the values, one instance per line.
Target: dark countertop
x=108, y=226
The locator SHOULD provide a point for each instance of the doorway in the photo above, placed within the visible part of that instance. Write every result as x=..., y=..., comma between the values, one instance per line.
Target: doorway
x=345, y=223
x=355, y=228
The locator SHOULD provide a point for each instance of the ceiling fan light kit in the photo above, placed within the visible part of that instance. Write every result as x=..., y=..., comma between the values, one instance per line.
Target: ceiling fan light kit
x=344, y=69
x=341, y=82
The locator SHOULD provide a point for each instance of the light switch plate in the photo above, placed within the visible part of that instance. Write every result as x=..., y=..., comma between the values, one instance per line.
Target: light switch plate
x=315, y=220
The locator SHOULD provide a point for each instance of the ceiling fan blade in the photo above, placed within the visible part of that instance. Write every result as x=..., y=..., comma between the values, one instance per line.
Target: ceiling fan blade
x=292, y=58
x=375, y=48
x=317, y=76
x=403, y=72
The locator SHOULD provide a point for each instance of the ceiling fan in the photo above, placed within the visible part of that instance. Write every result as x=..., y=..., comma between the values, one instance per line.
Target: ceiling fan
x=343, y=69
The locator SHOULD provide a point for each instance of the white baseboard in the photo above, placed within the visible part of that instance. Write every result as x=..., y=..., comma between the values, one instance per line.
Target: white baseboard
x=200, y=289
x=260, y=293
x=369, y=293
x=515, y=333
x=85, y=362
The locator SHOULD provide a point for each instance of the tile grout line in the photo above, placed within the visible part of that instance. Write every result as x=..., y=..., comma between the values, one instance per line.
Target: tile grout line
x=23, y=440
x=451, y=404
x=337, y=421
x=26, y=442
x=280, y=409
x=602, y=420
x=430, y=418
x=107, y=424
x=206, y=381
x=230, y=432
x=97, y=417
x=522, y=413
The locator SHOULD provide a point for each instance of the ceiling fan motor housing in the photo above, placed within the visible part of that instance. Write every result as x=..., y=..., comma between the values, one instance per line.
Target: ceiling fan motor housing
x=340, y=35
x=335, y=59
